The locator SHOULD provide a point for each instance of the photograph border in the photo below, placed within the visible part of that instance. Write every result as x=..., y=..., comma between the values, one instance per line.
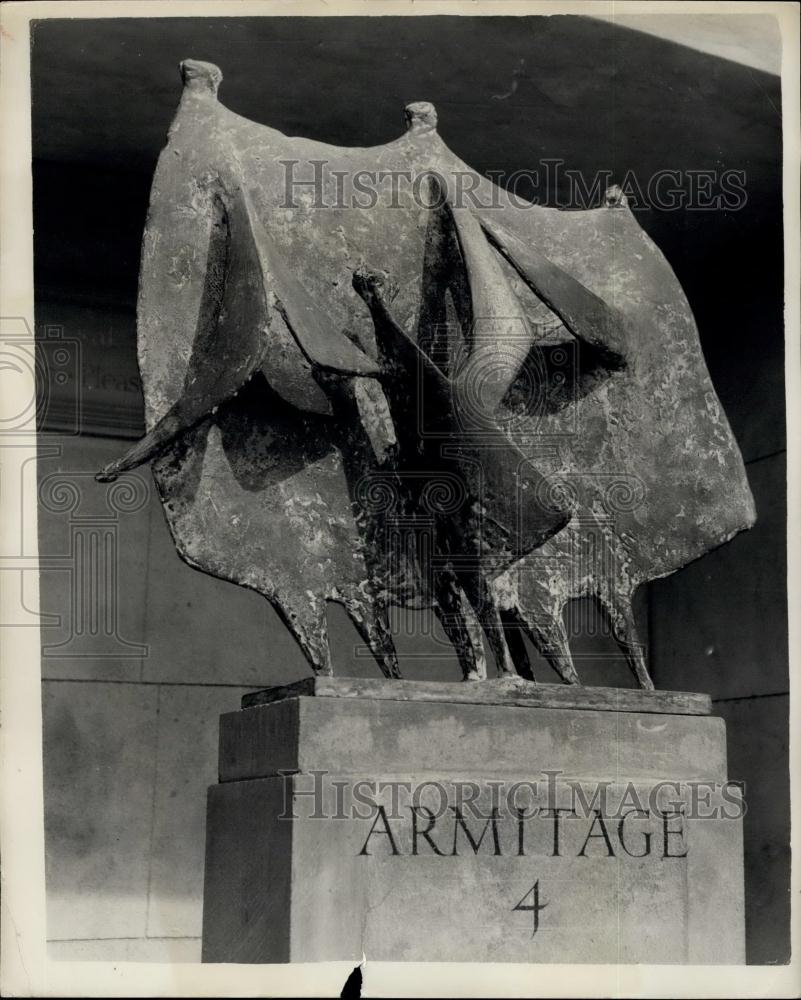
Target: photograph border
x=24, y=967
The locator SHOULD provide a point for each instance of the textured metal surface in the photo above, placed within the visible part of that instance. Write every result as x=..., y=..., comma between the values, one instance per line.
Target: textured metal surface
x=404, y=394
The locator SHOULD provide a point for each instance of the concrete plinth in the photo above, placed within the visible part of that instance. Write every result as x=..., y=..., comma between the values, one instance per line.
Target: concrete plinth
x=386, y=820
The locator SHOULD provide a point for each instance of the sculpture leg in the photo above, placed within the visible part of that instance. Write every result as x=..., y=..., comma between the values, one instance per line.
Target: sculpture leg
x=461, y=626
x=514, y=629
x=624, y=629
x=374, y=629
x=551, y=640
x=547, y=632
x=489, y=616
x=495, y=632
x=311, y=632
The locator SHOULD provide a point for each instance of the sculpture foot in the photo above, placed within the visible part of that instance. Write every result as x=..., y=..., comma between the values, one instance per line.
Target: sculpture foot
x=460, y=624
x=624, y=628
x=374, y=630
x=550, y=641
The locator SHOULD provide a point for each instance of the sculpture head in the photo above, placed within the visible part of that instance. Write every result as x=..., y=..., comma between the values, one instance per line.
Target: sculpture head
x=421, y=116
x=200, y=76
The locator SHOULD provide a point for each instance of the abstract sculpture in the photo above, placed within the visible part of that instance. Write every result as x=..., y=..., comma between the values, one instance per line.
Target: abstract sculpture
x=426, y=394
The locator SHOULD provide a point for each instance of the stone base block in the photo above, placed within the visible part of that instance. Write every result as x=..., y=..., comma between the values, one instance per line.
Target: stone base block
x=438, y=831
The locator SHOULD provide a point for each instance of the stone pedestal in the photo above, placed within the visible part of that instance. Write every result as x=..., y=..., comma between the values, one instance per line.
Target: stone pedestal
x=475, y=822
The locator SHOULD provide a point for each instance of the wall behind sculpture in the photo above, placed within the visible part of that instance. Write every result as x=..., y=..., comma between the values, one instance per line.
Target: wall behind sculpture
x=145, y=652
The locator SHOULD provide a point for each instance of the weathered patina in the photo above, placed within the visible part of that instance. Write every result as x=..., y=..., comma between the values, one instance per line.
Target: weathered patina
x=372, y=376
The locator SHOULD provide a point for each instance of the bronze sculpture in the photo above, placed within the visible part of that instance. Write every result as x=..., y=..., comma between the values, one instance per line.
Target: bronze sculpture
x=429, y=397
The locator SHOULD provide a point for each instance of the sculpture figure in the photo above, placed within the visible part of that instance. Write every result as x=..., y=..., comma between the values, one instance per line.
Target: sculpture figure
x=431, y=397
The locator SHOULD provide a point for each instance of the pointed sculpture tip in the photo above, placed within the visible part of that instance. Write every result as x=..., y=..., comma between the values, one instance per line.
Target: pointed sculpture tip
x=107, y=475
x=421, y=116
x=615, y=197
x=201, y=76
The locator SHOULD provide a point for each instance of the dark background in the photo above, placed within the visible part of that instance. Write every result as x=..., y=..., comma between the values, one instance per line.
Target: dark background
x=510, y=92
